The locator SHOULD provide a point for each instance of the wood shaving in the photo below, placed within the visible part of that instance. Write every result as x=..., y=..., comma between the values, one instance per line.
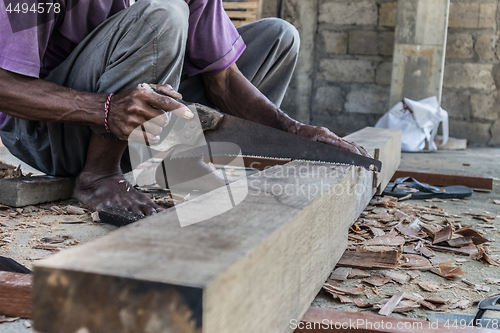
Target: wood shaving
x=430, y=286
x=95, y=217
x=358, y=273
x=492, y=281
x=342, y=291
x=72, y=210
x=55, y=239
x=10, y=171
x=481, y=254
x=58, y=210
x=377, y=280
x=340, y=274
x=4, y=319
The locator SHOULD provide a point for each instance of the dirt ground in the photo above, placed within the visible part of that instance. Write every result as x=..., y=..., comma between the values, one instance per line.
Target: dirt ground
x=473, y=161
x=21, y=231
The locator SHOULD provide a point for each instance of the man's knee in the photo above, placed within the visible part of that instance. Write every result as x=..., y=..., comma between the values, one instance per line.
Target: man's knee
x=166, y=16
x=287, y=33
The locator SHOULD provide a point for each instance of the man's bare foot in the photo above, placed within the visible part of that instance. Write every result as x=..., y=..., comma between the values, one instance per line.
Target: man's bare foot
x=100, y=190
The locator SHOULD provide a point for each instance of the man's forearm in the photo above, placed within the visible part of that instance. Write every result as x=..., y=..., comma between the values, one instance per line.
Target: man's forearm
x=232, y=93
x=36, y=99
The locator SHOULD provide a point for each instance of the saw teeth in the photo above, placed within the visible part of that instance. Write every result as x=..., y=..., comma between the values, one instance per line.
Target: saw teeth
x=274, y=158
x=278, y=158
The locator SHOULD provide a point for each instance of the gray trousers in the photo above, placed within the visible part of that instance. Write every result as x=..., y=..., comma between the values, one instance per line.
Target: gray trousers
x=143, y=44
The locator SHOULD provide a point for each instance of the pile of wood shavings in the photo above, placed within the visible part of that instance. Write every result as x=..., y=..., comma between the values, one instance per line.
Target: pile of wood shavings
x=10, y=171
x=393, y=242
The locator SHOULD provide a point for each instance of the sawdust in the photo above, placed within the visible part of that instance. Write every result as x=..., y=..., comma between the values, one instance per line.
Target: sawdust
x=10, y=171
x=424, y=236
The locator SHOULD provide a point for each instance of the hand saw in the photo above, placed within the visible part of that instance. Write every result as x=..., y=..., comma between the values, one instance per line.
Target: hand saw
x=252, y=138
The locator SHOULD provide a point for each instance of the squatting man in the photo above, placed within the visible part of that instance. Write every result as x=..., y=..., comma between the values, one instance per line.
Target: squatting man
x=71, y=74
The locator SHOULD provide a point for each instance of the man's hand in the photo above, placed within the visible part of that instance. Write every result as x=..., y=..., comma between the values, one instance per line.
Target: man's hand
x=36, y=99
x=141, y=106
x=324, y=135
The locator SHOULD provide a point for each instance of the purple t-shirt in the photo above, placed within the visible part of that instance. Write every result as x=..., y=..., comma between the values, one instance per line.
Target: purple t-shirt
x=33, y=45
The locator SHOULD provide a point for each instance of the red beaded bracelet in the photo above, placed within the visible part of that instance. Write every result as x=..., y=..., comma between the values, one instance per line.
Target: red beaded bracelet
x=106, y=111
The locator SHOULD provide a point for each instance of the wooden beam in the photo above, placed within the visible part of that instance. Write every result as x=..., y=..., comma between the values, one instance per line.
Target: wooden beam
x=15, y=294
x=447, y=179
x=369, y=260
x=388, y=143
x=327, y=320
x=255, y=266
x=383, y=145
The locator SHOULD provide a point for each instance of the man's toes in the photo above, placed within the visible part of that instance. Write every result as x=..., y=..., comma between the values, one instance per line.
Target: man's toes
x=136, y=210
x=148, y=210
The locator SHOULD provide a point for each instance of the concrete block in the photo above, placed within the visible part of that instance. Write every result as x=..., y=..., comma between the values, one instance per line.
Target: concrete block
x=495, y=134
x=484, y=106
x=485, y=47
x=496, y=75
x=349, y=13
x=373, y=99
x=304, y=16
x=421, y=22
x=416, y=72
x=387, y=14
x=363, y=42
x=335, y=42
x=478, y=76
x=459, y=46
x=269, y=8
x=464, y=15
x=384, y=71
x=385, y=43
x=343, y=123
x=26, y=191
x=346, y=70
x=487, y=13
x=328, y=98
x=457, y=103
x=474, y=132
x=419, y=49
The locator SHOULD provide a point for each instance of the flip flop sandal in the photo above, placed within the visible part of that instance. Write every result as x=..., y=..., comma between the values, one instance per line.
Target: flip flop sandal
x=492, y=304
x=406, y=185
x=10, y=265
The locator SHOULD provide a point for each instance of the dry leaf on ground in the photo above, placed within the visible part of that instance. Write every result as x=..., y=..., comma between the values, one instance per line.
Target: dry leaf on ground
x=429, y=286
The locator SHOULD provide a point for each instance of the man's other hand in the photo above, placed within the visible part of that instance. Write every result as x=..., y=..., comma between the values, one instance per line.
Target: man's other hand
x=232, y=93
x=141, y=106
x=324, y=135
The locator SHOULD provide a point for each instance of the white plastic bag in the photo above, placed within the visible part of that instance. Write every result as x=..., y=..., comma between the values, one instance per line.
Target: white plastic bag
x=419, y=121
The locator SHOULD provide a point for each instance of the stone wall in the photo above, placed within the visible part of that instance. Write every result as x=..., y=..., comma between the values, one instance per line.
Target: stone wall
x=352, y=46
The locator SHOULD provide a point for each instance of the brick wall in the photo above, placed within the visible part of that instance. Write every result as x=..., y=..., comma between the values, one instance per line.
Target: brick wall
x=353, y=61
x=470, y=93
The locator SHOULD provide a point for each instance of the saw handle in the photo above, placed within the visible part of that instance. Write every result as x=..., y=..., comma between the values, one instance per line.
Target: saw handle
x=209, y=117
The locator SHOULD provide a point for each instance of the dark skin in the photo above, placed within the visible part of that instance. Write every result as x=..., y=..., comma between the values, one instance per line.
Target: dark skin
x=101, y=182
x=234, y=94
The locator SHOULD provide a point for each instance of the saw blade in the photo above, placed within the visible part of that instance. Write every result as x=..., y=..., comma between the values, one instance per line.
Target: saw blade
x=259, y=140
x=281, y=160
